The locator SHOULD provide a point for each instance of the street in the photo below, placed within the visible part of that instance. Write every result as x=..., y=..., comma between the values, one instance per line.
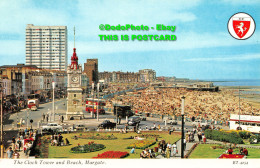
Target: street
x=91, y=123
x=36, y=116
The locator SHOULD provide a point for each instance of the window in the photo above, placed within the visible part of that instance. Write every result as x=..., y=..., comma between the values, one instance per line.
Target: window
x=75, y=95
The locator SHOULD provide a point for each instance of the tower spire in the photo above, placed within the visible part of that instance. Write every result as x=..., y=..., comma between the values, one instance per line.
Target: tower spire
x=74, y=58
x=74, y=36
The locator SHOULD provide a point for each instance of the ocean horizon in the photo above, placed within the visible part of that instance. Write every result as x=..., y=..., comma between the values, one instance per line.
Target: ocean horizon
x=236, y=82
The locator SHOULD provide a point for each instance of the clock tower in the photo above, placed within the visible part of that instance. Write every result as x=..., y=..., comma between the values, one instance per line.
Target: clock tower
x=74, y=91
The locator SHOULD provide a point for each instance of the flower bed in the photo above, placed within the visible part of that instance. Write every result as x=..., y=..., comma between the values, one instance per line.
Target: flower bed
x=97, y=137
x=87, y=148
x=150, y=136
x=112, y=154
x=141, y=144
x=231, y=156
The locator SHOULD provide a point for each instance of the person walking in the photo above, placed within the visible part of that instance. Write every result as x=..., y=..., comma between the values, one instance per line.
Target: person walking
x=60, y=137
x=43, y=117
x=62, y=119
x=119, y=119
x=9, y=153
x=174, y=150
x=23, y=122
x=204, y=138
x=167, y=152
x=19, y=143
x=13, y=142
x=47, y=117
x=199, y=136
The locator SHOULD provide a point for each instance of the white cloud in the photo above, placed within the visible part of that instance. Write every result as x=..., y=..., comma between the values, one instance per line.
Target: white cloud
x=146, y=12
x=16, y=14
x=87, y=15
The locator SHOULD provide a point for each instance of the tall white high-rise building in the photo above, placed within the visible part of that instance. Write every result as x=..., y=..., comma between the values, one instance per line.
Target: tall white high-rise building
x=46, y=46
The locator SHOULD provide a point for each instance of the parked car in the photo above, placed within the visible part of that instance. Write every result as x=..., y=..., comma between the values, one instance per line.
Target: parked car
x=143, y=118
x=107, y=124
x=134, y=120
x=172, y=122
x=79, y=127
x=199, y=122
x=34, y=108
x=52, y=126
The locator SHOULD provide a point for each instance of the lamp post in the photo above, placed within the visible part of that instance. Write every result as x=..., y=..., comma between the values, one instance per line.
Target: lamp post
x=53, y=88
x=92, y=113
x=116, y=109
x=97, y=100
x=27, y=118
x=182, y=127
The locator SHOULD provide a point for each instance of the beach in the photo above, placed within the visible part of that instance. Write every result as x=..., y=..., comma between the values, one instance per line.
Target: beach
x=249, y=93
x=199, y=104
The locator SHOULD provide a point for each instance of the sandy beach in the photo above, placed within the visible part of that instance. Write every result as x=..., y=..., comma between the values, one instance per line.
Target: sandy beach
x=249, y=93
x=200, y=104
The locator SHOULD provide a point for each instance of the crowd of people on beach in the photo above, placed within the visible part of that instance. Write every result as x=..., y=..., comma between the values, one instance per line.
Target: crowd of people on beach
x=117, y=87
x=200, y=104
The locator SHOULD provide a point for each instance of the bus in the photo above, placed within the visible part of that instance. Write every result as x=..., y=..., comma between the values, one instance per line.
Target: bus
x=247, y=122
x=33, y=102
x=93, y=104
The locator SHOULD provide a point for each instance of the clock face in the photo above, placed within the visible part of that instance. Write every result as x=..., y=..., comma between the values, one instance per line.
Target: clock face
x=74, y=79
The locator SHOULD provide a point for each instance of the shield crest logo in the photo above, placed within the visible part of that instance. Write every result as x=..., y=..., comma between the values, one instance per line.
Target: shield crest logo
x=241, y=26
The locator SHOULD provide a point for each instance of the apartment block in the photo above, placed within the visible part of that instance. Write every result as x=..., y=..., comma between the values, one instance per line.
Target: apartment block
x=46, y=47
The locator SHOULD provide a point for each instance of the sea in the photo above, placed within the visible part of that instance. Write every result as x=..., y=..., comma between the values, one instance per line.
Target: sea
x=239, y=82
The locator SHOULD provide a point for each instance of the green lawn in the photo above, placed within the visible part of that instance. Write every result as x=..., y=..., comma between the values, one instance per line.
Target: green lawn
x=119, y=144
x=204, y=151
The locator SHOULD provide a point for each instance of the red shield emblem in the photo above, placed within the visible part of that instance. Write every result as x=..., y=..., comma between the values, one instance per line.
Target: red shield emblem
x=241, y=26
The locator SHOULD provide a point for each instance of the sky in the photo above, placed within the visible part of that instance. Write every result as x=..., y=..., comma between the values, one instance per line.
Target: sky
x=204, y=48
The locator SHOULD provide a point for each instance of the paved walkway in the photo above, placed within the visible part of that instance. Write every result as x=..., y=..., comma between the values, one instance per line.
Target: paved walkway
x=178, y=155
x=22, y=154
